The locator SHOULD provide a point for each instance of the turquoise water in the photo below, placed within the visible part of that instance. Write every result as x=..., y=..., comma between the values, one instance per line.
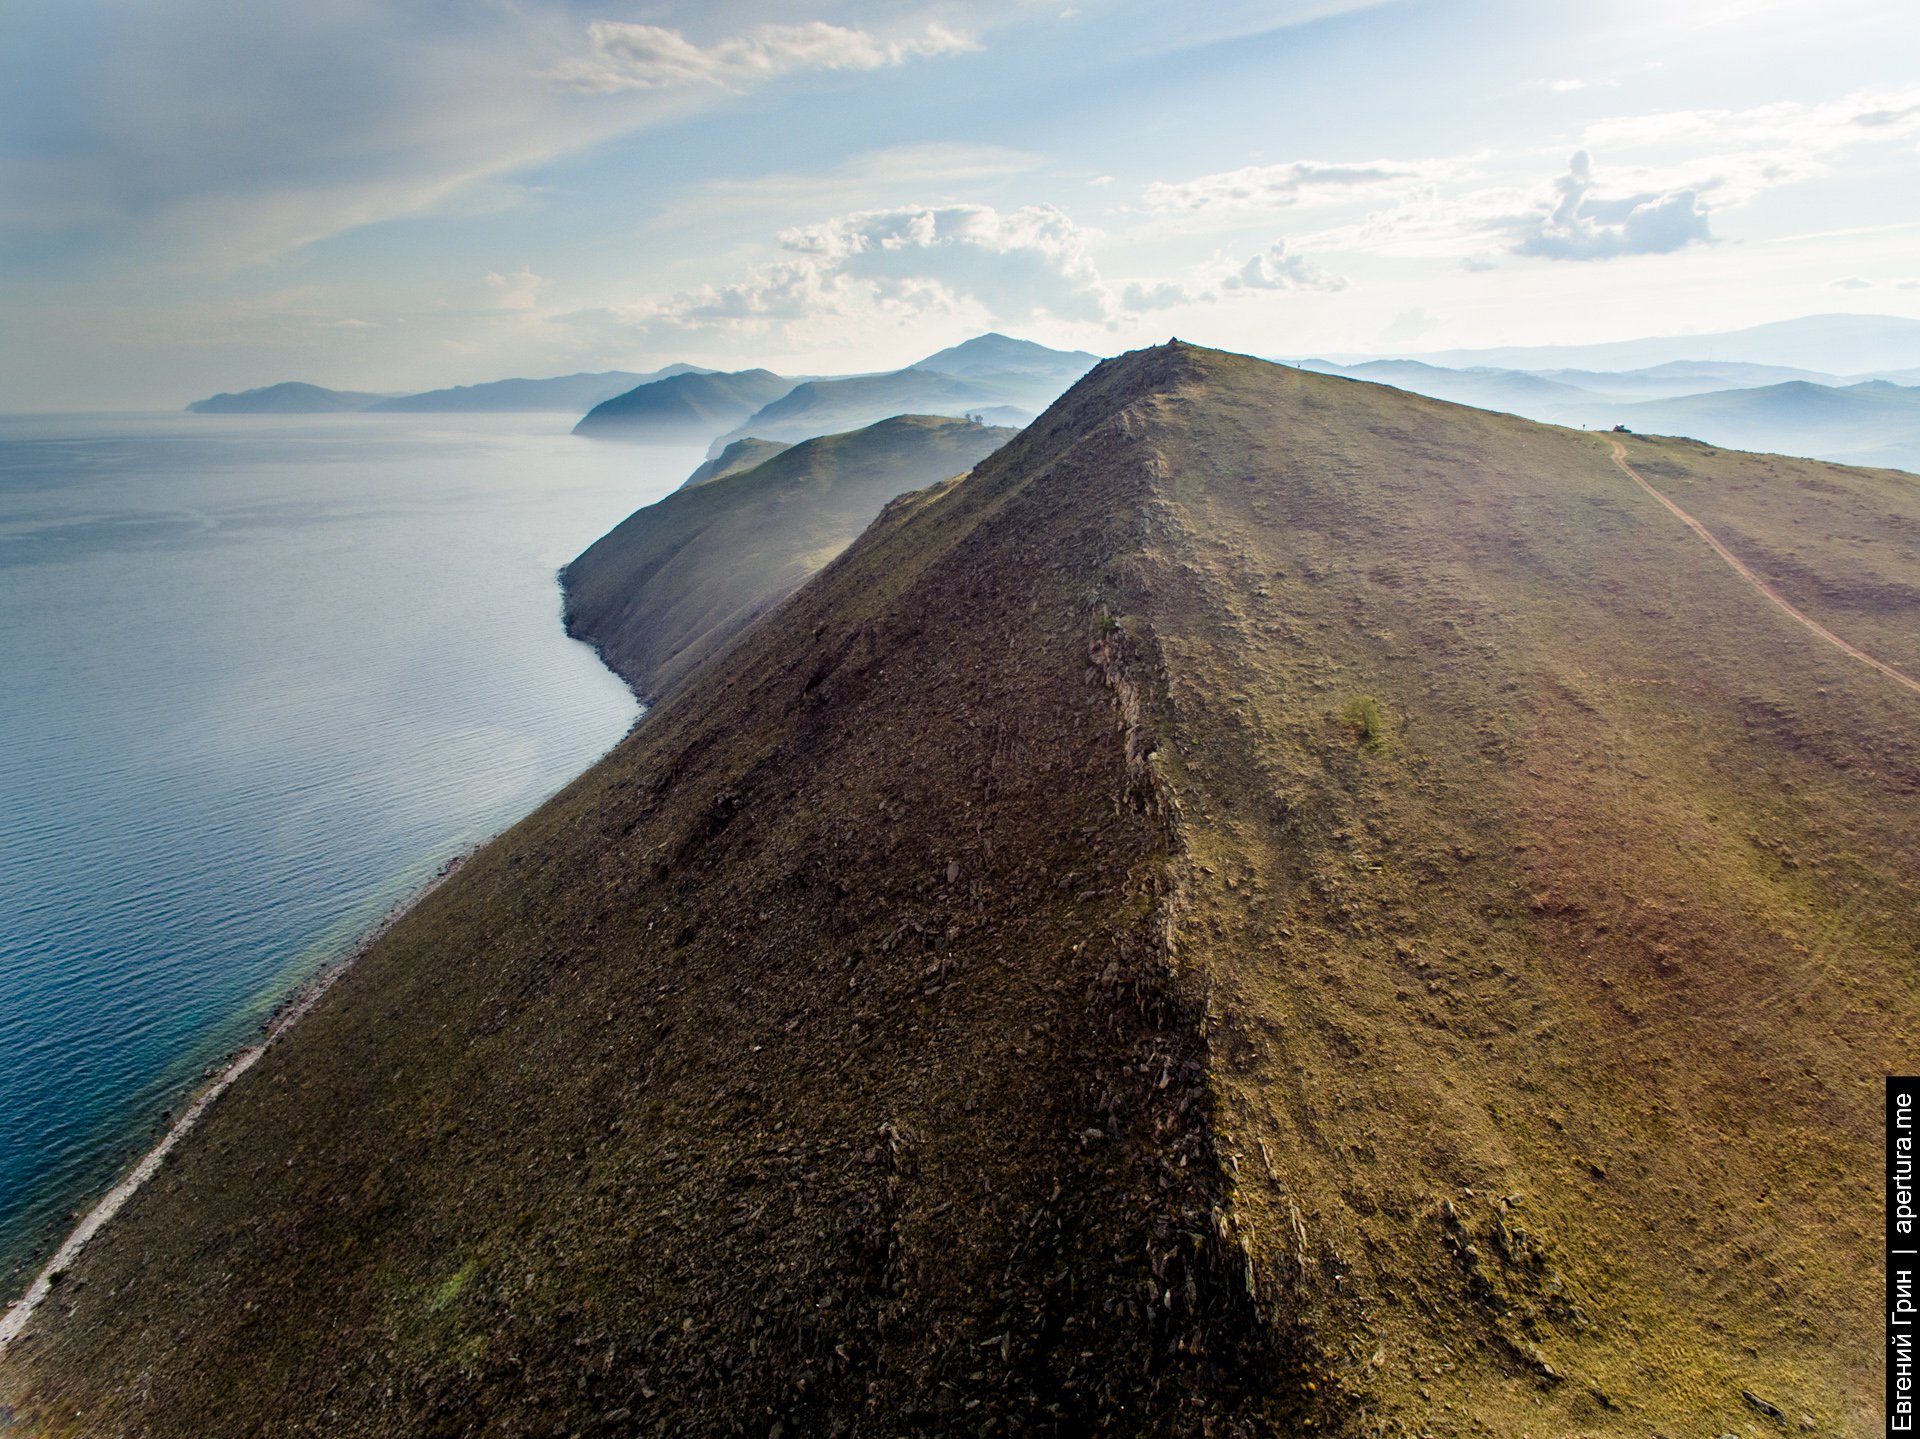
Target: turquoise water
x=259, y=678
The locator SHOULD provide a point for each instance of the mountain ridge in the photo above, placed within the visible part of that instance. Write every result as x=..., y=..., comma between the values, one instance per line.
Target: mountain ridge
x=668, y=588
x=996, y=354
x=1245, y=910
x=576, y=393
x=1838, y=343
x=742, y=454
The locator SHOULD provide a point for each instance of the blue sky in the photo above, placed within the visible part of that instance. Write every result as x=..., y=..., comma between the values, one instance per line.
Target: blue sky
x=397, y=194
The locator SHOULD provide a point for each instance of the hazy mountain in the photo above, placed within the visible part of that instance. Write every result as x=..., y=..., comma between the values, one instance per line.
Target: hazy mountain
x=1684, y=377
x=1871, y=422
x=674, y=583
x=289, y=398
x=738, y=456
x=997, y=354
x=1511, y=391
x=1275, y=906
x=1010, y=416
x=832, y=406
x=1833, y=344
x=694, y=405
x=1000, y=379
x=572, y=393
x=1874, y=422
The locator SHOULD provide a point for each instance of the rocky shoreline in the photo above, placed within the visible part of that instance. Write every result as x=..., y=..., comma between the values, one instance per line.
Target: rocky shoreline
x=13, y=1322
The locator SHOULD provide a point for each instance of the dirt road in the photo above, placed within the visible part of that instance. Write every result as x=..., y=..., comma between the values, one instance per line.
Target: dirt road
x=1740, y=568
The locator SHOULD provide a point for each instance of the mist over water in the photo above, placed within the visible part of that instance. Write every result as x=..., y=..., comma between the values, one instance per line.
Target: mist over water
x=259, y=678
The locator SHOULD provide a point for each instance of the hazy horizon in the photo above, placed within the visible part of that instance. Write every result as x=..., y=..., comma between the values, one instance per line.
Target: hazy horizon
x=397, y=197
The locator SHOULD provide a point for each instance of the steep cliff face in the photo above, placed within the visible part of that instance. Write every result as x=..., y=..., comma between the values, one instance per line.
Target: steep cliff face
x=1272, y=906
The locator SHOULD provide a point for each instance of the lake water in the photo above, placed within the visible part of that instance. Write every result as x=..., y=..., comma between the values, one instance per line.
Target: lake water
x=259, y=678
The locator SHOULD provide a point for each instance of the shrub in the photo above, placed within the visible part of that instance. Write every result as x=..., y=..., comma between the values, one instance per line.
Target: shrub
x=1363, y=718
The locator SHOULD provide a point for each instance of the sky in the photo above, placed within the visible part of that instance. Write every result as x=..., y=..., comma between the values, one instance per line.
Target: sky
x=395, y=195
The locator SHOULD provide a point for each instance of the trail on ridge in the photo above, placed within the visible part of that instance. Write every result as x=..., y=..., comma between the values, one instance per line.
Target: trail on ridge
x=1740, y=568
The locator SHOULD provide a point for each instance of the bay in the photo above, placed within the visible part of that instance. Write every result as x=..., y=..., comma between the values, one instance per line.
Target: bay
x=260, y=677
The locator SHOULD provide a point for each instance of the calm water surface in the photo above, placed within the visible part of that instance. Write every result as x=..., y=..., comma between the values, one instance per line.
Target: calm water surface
x=259, y=678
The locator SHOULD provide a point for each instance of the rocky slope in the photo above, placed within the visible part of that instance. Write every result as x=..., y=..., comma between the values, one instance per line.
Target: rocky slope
x=1273, y=906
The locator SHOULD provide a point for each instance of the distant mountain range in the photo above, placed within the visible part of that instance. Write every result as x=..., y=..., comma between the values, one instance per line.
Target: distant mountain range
x=1862, y=345
x=825, y=407
x=691, y=406
x=1738, y=405
x=290, y=398
x=1872, y=423
x=574, y=393
x=994, y=378
x=563, y=393
x=1835, y=387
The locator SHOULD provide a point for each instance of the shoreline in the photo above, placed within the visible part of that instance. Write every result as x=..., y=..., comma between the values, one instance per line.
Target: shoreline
x=13, y=1321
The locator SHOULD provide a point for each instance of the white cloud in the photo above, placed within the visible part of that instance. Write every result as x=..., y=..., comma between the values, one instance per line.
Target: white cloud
x=1583, y=224
x=1747, y=151
x=1142, y=297
x=1408, y=327
x=1015, y=264
x=627, y=56
x=861, y=181
x=1277, y=268
x=226, y=134
x=519, y=290
x=360, y=111
x=1793, y=125
x=1255, y=188
x=1022, y=265
x=1022, y=261
x=1667, y=174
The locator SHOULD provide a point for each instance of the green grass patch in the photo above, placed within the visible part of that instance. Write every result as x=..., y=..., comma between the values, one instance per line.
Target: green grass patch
x=1365, y=721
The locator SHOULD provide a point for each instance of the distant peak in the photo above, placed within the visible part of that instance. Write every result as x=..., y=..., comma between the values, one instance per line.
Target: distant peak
x=994, y=351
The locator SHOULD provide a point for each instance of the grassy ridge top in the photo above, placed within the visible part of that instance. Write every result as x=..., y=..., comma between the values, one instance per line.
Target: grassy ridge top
x=1539, y=857
x=1271, y=900
x=740, y=455
x=673, y=583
